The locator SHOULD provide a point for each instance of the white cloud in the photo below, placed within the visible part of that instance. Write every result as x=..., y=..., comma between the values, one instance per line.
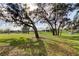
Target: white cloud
x=32, y=6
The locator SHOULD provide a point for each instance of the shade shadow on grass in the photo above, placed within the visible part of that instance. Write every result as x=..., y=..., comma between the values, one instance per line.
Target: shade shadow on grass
x=59, y=47
x=75, y=40
x=35, y=48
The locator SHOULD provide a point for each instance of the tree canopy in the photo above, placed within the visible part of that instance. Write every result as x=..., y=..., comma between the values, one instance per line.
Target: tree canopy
x=54, y=14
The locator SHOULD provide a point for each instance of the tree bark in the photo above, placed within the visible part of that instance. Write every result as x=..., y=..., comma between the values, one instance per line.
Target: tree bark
x=52, y=29
x=35, y=31
x=33, y=26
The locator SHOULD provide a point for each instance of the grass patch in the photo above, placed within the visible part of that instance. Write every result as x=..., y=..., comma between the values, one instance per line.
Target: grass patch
x=26, y=44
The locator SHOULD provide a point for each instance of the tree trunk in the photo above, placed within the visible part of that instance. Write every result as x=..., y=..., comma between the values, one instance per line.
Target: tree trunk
x=35, y=31
x=55, y=32
x=33, y=26
x=52, y=30
x=58, y=32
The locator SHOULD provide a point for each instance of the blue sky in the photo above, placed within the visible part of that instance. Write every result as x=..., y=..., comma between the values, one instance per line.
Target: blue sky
x=72, y=14
x=4, y=26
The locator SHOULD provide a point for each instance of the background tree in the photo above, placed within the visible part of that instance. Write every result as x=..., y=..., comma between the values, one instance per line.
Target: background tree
x=25, y=29
x=55, y=14
x=74, y=25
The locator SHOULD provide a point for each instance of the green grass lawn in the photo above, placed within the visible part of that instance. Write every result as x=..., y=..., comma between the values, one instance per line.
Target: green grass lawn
x=27, y=44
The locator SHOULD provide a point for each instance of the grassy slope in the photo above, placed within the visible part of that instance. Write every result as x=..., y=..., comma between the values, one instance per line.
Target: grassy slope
x=26, y=44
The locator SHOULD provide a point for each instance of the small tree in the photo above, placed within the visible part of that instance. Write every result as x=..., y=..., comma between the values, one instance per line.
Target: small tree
x=25, y=29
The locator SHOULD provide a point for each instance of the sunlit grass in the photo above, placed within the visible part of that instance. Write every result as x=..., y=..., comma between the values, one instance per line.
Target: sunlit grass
x=26, y=44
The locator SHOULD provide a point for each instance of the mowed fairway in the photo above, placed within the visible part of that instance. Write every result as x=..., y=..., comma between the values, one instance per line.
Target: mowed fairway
x=27, y=45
